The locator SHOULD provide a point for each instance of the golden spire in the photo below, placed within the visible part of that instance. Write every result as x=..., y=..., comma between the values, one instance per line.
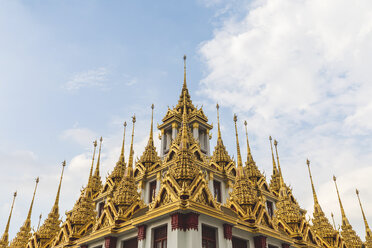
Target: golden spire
x=94, y=153
x=218, y=121
x=344, y=219
x=59, y=186
x=220, y=155
x=277, y=158
x=249, y=154
x=122, y=157
x=240, y=163
x=96, y=172
x=368, y=230
x=150, y=155
x=131, y=152
x=312, y=183
x=22, y=237
x=184, y=123
x=184, y=72
x=32, y=202
x=275, y=169
x=4, y=238
x=350, y=237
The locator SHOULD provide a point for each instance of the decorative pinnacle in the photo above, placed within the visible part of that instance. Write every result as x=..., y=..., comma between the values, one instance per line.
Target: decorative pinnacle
x=130, y=163
x=344, y=219
x=122, y=146
x=96, y=172
x=277, y=158
x=275, y=170
x=184, y=71
x=240, y=163
x=5, y=235
x=218, y=120
x=368, y=230
x=249, y=154
x=152, y=121
x=312, y=184
x=60, y=183
x=33, y=198
x=94, y=153
x=38, y=225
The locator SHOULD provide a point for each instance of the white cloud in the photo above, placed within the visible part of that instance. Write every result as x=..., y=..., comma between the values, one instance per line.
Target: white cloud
x=300, y=70
x=81, y=136
x=91, y=78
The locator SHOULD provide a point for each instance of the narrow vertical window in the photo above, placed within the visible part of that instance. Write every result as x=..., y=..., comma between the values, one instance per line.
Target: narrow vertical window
x=217, y=190
x=160, y=237
x=152, y=190
x=208, y=237
x=270, y=208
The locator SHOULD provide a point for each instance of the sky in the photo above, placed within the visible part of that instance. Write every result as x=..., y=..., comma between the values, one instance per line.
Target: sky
x=298, y=70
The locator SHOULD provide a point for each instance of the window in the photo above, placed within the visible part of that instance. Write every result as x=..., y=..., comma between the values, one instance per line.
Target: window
x=208, y=237
x=270, y=208
x=217, y=190
x=239, y=243
x=160, y=237
x=152, y=190
x=272, y=246
x=130, y=243
x=101, y=206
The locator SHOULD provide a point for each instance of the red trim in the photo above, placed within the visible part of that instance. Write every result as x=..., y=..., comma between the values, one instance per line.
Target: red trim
x=141, y=232
x=185, y=221
x=110, y=242
x=260, y=242
x=227, y=231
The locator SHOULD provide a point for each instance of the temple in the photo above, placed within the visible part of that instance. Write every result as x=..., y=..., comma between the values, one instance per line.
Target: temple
x=187, y=195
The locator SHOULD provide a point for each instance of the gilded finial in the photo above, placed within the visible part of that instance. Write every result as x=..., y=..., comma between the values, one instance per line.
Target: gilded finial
x=131, y=152
x=312, y=183
x=277, y=158
x=96, y=172
x=275, y=170
x=240, y=163
x=94, y=153
x=218, y=121
x=122, y=158
x=152, y=121
x=33, y=198
x=184, y=71
x=249, y=154
x=344, y=219
x=59, y=186
x=368, y=230
x=4, y=239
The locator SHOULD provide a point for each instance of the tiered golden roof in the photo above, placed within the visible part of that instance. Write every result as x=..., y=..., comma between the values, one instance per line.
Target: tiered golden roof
x=4, y=242
x=22, y=237
x=183, y=174
x=349, y=236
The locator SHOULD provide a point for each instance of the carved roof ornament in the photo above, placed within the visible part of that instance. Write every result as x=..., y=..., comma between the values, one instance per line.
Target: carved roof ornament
x=321, y=224
x=96, y=185
x=22, y=237
x=368, y=230
x=220, y=154
x=51, y=226
x=150, y=156
x=349, y=236
x=251, y=169
x=4, y=242
x=275, y=177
